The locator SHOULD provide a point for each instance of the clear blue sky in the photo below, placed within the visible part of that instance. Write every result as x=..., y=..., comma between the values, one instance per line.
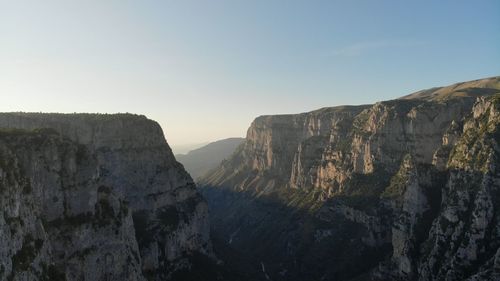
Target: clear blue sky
x=205, y=69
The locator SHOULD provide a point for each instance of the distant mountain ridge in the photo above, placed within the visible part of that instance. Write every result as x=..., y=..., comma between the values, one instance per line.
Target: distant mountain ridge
x=186, y=148
x=201, y=160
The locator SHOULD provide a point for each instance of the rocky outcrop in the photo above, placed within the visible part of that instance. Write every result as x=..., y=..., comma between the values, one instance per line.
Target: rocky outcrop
x=95, y=197
x=385, y=174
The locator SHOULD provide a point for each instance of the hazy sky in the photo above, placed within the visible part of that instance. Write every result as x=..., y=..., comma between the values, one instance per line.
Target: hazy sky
x=205, y=69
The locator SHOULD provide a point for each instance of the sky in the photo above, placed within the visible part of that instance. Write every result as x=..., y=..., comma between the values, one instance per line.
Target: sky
x=205, y=69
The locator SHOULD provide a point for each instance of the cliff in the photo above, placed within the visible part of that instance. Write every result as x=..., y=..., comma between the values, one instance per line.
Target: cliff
x=95, y=197
x=400, y=190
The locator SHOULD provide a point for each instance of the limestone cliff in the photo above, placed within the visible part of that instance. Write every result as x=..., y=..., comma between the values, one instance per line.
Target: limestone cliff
x=400, y=190
x=95, y=197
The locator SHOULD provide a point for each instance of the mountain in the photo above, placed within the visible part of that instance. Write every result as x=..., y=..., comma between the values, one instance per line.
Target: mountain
x=407, y=189
x=199, y=161
x=96, y=197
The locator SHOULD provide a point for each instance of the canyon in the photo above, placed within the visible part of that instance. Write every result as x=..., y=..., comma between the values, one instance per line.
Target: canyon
x=405, y=189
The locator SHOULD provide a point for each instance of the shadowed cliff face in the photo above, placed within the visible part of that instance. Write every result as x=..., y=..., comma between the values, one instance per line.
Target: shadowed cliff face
x=95, y=197
x=417, y=177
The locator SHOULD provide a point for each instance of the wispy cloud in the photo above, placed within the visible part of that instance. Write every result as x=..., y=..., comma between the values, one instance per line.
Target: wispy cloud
x=364, y=47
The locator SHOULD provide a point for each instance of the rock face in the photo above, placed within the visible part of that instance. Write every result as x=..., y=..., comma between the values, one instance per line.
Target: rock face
x=95, y=197
x=400, y=190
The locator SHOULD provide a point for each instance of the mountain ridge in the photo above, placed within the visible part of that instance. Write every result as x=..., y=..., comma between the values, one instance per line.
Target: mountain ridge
x=456, y=89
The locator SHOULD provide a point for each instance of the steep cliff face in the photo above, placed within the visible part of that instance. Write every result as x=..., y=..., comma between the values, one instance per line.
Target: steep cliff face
x=385, y=175
x=95, y=197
